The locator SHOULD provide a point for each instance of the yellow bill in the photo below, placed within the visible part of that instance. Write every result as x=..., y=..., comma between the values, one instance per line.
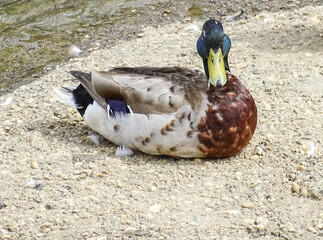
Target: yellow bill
x=217, y=75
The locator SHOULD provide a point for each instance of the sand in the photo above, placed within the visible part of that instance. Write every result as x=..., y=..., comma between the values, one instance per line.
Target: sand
x=55, y=183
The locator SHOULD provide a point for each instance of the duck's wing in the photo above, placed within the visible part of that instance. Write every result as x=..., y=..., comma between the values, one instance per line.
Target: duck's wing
x=146, y=90
x=86, y=82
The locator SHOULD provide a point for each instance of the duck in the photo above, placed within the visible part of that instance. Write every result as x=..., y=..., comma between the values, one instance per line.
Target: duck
x=171, y=111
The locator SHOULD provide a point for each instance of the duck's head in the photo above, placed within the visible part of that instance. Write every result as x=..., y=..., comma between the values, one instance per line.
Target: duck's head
x=213, y=46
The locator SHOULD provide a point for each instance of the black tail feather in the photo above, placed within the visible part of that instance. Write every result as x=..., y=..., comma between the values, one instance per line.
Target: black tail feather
x=82, y=99
x=86, y=83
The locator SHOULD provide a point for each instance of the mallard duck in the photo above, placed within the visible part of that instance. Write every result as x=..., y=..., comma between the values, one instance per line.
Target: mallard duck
x=172, y=111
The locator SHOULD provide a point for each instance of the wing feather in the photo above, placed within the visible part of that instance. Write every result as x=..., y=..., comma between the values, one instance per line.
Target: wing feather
x=149, y=90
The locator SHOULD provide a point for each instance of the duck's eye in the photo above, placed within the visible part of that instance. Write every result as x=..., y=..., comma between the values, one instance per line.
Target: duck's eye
x=212, y=60
x=219, y=60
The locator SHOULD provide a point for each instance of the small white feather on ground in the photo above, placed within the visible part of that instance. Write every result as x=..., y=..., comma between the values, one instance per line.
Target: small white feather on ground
x=311, y=149
x=124, y=151
x=192, y=27
x=94, y=138
x=7, y=102
x=73, y=51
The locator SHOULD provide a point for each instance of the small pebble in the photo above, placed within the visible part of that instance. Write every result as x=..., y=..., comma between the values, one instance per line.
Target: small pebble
x=238, y=176
x=304, y=192
x=39, y=186
x=247, y=205
x=46, y=225
x=260, y=227
x=198, y=160
x=259, y=151
x=207, y=163
x=2, y=132
x=140, y=35
x=140, y=233
x=249, y=221
x=34, y=165
x=263, y=120
x=269, y=137
x=89, y=188
x=78, y=165
x=261, y=223
x=130, y=229
x=232, y=212
x=305, y=148
x=285, y=180
x=7, y=123
x=46, y=177
x=2, y=204
x=301, y=168
x=311, y=229
x=155, y=208
x=31, y=183
x=49, y=206
x=191, y=185
x=119, y=184
x=150, y=171
x=254, y=158
x=5, y=237
x=94, y=199
x=315, y=20
x=295, y=188
x=242, y=65
x=101, y=175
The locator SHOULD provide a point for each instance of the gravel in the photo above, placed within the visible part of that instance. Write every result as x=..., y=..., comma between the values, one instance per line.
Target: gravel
x=56, y=183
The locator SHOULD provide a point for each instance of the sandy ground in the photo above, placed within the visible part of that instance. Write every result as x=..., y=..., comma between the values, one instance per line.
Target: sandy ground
x=55, y=183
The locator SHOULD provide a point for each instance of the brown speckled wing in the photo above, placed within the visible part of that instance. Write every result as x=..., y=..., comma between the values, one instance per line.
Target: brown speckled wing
x=153, y=90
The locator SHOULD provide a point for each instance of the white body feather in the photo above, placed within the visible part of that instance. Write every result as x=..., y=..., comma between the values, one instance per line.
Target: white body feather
x=131, y=130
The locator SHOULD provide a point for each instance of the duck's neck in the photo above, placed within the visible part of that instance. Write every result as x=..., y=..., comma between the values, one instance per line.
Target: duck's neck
x=226, y=63
x=206, y=68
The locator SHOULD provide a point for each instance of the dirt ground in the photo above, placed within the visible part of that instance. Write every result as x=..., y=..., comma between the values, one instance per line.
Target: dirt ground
x=55, y=183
